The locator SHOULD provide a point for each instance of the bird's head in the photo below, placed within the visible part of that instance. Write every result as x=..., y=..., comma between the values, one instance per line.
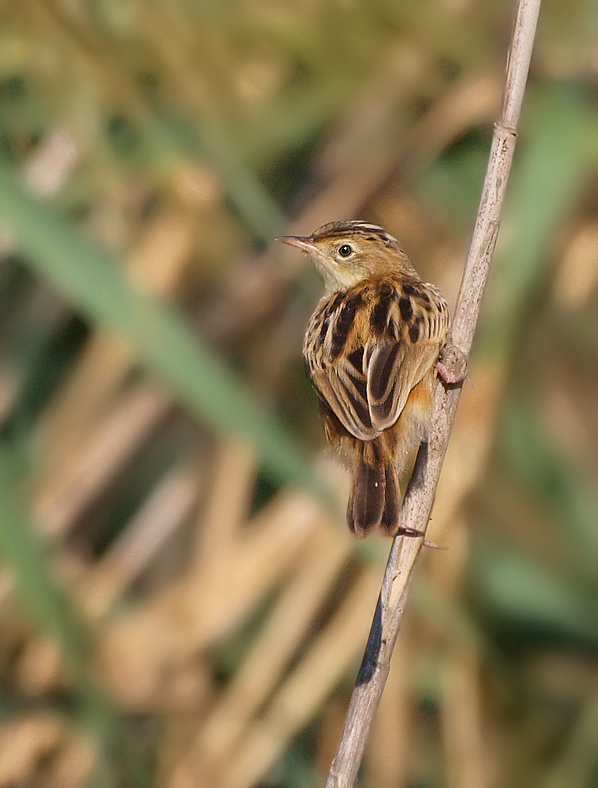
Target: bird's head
x=349, y=252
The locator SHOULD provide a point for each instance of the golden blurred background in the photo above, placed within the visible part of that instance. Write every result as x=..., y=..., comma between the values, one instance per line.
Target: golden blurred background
x=180, y=603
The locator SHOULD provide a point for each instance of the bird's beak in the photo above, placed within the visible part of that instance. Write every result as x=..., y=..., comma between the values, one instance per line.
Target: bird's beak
x=301, y=243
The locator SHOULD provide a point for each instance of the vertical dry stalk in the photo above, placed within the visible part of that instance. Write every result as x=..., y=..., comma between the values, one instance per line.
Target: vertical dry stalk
x=420, y=495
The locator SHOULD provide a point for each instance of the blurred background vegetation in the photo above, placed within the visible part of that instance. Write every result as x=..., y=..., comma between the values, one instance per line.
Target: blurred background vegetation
x=180, y=605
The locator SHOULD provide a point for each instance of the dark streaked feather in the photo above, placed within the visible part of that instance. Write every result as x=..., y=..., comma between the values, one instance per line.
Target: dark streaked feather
x=375, y=498
x=366, y=379
x=346, y=401
x=366, y=501
x=392, y=501
x=380, y=313
x=342, y=325
x=363, y=229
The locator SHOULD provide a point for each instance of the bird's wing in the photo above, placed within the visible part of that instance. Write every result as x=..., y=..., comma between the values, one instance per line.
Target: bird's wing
x=367, y=387
x=407, y=348
x=340, y=376
x=344, y=388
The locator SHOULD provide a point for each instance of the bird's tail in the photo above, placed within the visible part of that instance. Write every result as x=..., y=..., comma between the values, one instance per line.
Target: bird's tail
x=375, y=499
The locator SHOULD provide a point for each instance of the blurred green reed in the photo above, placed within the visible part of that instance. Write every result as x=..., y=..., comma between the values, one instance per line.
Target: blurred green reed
x=159, y=335
x=557, y=149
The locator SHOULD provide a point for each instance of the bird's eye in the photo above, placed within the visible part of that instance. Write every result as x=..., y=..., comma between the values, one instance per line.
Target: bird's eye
x=346, y=250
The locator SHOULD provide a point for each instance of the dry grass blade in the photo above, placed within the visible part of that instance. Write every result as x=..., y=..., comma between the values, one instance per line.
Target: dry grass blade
x=100, y=459
x=253, y=683
x=312, y=681
x=420, y=497
x=199, y=609
x=132, y=551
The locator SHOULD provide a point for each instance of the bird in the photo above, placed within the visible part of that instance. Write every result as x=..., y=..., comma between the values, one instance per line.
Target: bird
x=371, y=348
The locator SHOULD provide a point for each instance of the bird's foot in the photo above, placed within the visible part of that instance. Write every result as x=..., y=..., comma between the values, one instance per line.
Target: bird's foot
x=452, y=365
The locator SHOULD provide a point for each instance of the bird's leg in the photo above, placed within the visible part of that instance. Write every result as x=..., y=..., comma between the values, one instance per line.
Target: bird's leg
x=452, y=365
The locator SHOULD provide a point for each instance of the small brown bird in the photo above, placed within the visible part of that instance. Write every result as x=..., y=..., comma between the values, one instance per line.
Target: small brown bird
x=371, y=349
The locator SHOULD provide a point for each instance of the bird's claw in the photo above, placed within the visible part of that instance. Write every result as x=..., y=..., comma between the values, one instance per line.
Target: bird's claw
x=452, y=365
